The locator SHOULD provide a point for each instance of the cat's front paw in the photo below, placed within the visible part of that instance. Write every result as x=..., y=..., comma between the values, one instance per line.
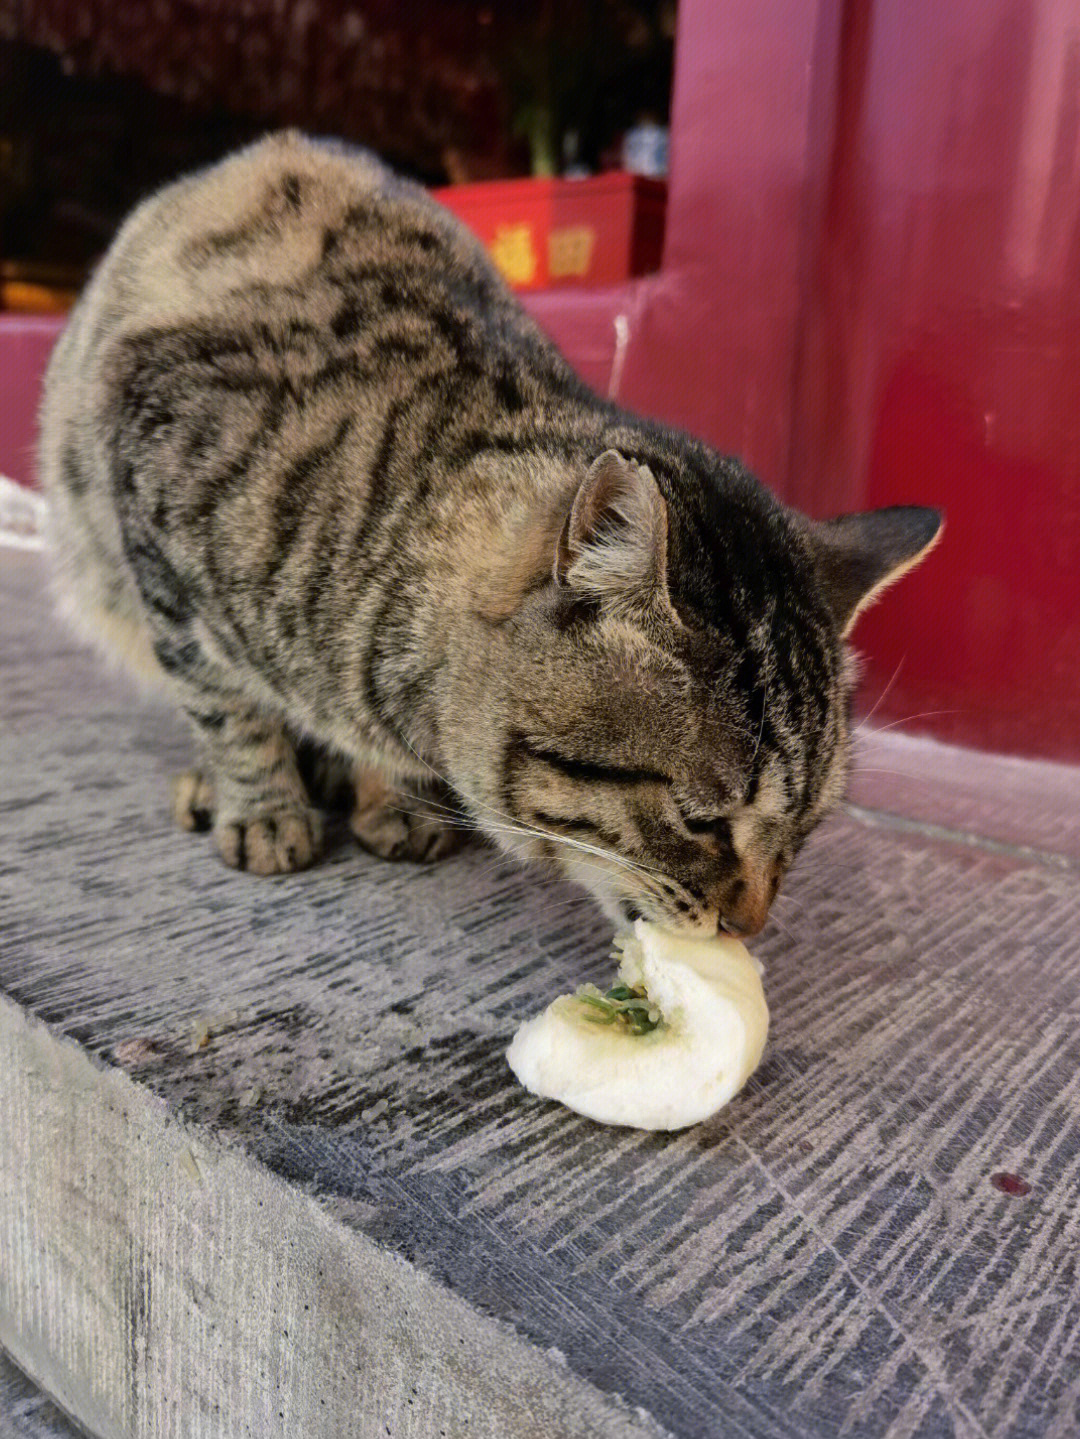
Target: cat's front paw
x=401, y=828
x=278, y=842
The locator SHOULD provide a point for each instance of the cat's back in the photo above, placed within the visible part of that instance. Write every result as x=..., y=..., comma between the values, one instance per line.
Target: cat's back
x=258, y=220
x=228, y=284
x=297, y=310
x=280, y=232
x=185, y=254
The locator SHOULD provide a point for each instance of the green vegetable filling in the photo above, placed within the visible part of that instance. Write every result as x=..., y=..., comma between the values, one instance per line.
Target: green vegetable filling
x=624, y=1005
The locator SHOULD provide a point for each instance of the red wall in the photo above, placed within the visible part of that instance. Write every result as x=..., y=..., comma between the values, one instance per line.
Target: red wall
x=871, y=293
x=25, y=344
x=941, y=357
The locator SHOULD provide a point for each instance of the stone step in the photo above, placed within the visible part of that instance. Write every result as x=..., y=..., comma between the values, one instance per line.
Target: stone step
x=28, y=1413
x=265, y=1170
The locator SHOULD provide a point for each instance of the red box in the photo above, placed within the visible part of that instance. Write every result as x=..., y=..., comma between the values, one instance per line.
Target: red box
x=543, y=233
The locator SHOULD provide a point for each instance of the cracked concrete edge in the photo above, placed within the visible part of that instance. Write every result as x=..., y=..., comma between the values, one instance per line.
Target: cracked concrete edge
x=156, y=1282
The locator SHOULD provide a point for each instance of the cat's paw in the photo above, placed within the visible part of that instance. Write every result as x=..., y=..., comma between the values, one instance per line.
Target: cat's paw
x=402, y=828
x=278, y=842
x=193, y=801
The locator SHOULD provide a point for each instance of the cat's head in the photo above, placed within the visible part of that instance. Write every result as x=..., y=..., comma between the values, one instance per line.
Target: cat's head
x=674, y=714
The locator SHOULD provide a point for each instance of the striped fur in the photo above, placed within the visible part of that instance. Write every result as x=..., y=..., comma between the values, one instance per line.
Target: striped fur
x=311, y=464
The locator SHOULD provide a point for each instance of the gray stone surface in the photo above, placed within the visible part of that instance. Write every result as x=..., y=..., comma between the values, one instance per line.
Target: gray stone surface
x=829, y=1255
x=1031, y=810
x=27, y=1413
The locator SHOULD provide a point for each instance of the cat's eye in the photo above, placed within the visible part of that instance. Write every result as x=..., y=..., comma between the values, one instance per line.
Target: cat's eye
x=699, y=824
x=716, y=825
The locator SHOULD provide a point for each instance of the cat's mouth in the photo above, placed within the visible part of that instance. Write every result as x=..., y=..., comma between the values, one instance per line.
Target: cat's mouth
x=673, y=924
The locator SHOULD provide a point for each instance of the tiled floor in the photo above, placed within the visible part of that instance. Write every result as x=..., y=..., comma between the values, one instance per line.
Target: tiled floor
x=881, y=1236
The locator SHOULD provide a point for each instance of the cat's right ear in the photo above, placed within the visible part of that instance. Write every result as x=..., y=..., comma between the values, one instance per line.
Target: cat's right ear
x=613, y=544
x=860, y=555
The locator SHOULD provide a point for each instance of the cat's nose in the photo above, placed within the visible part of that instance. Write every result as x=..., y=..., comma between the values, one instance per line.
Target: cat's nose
x=744, y=906
x=740, y=931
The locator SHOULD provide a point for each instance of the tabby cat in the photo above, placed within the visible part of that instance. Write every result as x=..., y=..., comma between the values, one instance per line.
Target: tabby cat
x=312, y=465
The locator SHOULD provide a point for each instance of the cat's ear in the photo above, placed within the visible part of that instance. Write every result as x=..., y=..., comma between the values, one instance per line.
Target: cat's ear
x=861, y=555
x=613, y=543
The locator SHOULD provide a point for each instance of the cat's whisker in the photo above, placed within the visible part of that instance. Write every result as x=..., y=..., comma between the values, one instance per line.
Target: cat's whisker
x=446, y=820
x=574, y=898
x=472, y=827
x=647, y=890
x=761, y=726
x=629, y=865
x=867, y=718
x=448, y=814
x=528, y=830
x=765, y=697
x=907, y=719
x=506, y=824
x=641, y=875
x=517, y=829
x=781, y=926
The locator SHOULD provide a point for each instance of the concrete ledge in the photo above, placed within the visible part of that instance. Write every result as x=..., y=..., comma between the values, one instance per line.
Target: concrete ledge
x=224, y=1098
x=26, y=1412
x=167, y=1285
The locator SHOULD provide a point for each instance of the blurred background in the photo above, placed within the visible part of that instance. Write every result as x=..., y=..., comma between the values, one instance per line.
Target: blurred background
x=838, y=238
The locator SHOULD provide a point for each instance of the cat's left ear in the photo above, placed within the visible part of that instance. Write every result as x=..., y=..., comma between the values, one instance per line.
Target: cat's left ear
x=614, y=541
x=861, y=555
